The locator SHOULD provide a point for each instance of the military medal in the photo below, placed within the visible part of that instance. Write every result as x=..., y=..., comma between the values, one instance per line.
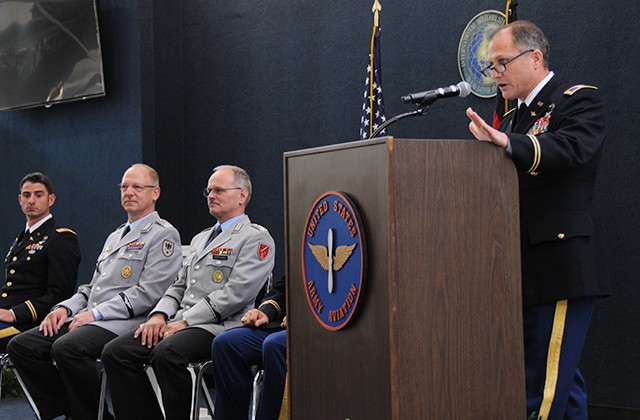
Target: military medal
x=126, y=272
x=218, y=276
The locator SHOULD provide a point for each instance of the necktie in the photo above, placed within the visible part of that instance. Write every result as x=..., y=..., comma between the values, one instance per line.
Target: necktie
x=216, y=231
x=520, y=114
x=21, y=237
x=126, y=230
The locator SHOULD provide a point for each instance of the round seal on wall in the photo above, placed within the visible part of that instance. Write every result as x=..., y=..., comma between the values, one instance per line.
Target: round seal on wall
x=472, y=52
x=333, y=260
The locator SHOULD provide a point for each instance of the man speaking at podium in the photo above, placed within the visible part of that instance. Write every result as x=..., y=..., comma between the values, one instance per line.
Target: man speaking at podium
x=555, y=140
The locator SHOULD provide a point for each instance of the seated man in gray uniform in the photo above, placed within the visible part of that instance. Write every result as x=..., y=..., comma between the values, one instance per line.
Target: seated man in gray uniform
x=225, y=270
x=138, y=262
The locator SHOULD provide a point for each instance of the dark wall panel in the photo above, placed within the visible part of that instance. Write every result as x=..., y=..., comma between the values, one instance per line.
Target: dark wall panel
x=83, y=146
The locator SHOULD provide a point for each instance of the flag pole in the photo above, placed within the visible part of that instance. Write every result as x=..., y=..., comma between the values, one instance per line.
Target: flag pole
x=373, y=104
x=375, y=9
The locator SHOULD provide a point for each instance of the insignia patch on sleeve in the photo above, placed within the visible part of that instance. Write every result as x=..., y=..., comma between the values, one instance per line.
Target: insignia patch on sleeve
x=263, y=251
x=167, y=248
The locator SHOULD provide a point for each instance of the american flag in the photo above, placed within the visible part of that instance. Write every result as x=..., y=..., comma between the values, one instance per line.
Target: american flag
x=373, y=104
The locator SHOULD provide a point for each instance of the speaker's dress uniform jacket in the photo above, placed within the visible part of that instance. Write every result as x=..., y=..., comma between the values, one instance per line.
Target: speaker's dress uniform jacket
x=556, y=146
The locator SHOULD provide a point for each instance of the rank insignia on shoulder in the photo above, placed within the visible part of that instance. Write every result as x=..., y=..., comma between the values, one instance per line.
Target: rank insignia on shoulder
x=263, y=251
x=574, y=89
x=61, y=230
x=163, y=223
x=167, y=248
x=260, y=228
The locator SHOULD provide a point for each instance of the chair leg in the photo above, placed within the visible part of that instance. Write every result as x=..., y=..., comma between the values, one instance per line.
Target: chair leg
x=200, y=384
x=207, y=395
x=5, y=362
x=255, y=394
x=103, y=394
x=195, y=392
x=156, y=387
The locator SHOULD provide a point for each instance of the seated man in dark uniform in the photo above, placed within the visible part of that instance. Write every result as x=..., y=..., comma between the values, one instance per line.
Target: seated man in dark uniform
x=262, y=342
x=41, y=265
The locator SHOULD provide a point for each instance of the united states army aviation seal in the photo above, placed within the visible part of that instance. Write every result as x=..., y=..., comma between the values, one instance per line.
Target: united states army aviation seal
x=333, y=260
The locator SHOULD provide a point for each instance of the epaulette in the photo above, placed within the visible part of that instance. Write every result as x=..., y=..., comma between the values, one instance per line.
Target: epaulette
x=60, y=230
x=258, y=227
x=508, y=112
x=574, y=89
x=164, y=223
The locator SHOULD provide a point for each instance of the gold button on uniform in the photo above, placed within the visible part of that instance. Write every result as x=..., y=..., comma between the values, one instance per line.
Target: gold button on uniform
x=14, y=259
x=12, y=271
x=4, y=295
x=560, y=235
x=9, y=284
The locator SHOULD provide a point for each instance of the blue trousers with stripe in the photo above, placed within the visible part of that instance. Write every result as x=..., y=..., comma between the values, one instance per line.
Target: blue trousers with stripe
x=554, y=335
x=233, y=353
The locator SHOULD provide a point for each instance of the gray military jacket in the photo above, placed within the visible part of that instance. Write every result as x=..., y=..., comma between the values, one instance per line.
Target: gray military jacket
x=219, y=282
x=132, y=273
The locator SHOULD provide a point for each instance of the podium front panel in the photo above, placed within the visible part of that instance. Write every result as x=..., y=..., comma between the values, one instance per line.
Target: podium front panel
x=438, y=332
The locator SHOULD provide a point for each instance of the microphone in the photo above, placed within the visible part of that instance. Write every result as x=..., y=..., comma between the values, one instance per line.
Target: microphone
x=424, y=98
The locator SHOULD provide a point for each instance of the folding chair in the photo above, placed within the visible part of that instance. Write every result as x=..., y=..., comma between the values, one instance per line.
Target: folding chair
x=255, y=393
x=200, y=385
x=5, y=363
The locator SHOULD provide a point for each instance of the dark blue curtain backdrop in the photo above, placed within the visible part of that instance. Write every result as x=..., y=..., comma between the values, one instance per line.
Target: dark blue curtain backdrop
x=191, y=85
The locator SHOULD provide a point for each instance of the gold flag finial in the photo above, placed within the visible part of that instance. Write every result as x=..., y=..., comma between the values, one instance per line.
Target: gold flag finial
x=377, y=7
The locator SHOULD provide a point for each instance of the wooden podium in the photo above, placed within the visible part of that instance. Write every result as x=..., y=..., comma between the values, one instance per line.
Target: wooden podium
x=438, y=334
